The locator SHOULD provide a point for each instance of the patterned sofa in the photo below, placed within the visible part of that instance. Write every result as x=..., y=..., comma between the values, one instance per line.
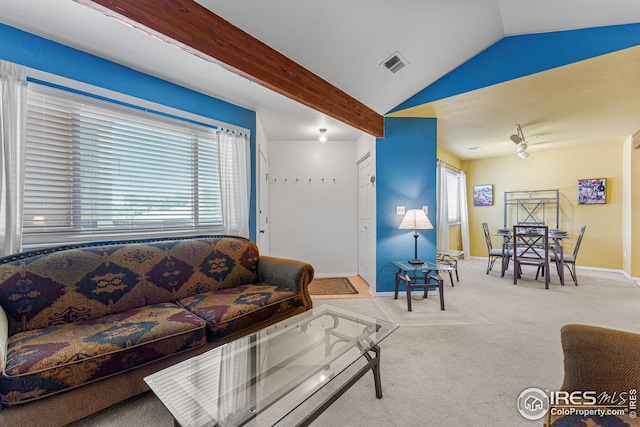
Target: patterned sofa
x=81, y=326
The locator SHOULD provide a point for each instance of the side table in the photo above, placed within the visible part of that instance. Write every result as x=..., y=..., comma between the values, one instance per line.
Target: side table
x=420, y=276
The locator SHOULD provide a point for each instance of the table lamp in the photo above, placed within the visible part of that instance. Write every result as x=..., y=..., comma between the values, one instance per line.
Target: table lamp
x=415, y=219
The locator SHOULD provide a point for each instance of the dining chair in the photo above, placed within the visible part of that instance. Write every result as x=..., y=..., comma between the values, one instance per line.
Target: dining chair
x=494, y=253
x=530, y=247
x=569, y=260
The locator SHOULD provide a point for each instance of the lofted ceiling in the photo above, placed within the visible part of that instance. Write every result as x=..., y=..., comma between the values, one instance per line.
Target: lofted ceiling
x=344, y=43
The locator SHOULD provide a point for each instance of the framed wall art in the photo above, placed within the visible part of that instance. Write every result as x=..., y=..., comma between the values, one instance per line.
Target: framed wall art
x=592, y=191
x=483, y=195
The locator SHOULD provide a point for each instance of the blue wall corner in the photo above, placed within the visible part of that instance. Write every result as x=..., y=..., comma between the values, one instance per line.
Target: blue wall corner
x=36, y=52
x=518, y=56
x=406, y=176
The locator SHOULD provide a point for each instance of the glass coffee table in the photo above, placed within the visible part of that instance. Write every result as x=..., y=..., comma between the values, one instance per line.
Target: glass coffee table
x=258, y=380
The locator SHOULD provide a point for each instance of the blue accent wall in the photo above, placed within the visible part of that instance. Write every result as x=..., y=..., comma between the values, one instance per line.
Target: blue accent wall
x=405, y=176
x=518, y=56
x=36, y=52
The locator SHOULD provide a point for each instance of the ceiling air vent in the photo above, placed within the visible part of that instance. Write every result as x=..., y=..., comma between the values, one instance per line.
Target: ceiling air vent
x=395, y=62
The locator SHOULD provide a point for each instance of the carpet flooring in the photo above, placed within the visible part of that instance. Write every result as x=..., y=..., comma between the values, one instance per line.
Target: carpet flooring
x=464, y=366
x=331, y=286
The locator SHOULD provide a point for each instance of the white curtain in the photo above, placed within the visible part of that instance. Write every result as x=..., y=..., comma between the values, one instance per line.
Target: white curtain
x=442, y=210
x=464, y=215
x=13, y=110
x=234, y=182
x=235, y=373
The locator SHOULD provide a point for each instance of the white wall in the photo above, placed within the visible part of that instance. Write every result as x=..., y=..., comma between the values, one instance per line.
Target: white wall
x=627, y=211
x=262, y=191
x=315, y=221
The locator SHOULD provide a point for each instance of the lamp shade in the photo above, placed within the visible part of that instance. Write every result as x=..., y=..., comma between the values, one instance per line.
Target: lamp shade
x=415, y=219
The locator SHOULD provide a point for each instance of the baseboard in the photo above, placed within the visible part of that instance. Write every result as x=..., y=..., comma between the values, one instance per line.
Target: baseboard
x=316, y=274
x=585, y=267
x=384, y=294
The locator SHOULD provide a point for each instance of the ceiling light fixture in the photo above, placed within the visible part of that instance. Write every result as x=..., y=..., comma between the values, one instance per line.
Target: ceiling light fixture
x=323, y=136
x=521, y=145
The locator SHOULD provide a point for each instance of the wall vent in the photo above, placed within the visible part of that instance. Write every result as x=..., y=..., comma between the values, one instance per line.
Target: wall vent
x=394, y=63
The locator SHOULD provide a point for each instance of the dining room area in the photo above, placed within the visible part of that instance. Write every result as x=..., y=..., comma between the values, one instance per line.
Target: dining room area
x=531, y=237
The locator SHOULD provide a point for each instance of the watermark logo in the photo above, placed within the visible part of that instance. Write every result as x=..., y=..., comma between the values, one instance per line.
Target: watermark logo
x=533, y=403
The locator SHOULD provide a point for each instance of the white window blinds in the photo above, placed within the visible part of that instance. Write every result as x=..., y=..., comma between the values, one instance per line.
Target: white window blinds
x=97, y=170
x=453, y=196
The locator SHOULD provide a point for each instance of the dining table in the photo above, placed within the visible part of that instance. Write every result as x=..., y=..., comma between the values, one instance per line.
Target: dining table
x=557, y=236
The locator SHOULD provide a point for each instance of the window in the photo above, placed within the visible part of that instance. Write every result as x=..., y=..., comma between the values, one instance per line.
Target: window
x=97, y=170
x=453, y=195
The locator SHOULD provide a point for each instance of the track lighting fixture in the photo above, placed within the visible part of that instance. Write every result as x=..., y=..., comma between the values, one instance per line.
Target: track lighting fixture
x=521, y=145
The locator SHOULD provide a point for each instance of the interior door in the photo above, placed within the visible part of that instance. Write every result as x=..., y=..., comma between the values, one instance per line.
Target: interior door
x=366, y=220
x=263, y=203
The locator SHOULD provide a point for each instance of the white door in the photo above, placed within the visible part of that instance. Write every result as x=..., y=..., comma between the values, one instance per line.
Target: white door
x=366, y=221
x=263, y=203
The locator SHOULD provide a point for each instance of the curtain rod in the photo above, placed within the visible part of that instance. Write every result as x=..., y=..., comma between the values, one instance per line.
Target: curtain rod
x=449, y=166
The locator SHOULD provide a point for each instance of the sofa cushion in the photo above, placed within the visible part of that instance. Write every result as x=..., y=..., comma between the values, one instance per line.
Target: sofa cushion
x=231, y=310
x=45, y=361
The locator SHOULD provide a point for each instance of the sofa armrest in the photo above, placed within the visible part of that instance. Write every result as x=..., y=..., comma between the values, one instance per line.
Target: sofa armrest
x=4, y=337
x=600, y=359
x=287, y=273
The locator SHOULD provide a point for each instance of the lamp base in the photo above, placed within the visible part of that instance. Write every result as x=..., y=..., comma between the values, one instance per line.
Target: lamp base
x=415, y=261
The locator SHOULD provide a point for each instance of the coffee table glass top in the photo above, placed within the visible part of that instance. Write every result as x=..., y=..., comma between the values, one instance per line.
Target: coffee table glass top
x=424, y=267
x=259, y=379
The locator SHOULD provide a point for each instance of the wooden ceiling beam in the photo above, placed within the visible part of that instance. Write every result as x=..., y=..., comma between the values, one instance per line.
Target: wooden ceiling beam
x=199, y=31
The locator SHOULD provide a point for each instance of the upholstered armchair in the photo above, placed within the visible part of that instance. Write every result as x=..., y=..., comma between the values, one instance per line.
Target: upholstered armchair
x=603, y=361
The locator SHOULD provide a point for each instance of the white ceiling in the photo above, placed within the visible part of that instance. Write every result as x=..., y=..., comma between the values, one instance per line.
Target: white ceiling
x=345, y=42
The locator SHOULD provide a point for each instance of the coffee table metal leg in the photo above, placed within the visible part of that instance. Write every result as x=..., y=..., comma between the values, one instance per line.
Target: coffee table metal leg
x=373, y=364
x=376, y=370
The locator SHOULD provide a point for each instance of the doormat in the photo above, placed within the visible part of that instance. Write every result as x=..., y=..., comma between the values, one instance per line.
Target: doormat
x=331, y=286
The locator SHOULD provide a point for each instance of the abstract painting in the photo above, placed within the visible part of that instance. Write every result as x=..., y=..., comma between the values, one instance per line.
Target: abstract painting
x=592, y=191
